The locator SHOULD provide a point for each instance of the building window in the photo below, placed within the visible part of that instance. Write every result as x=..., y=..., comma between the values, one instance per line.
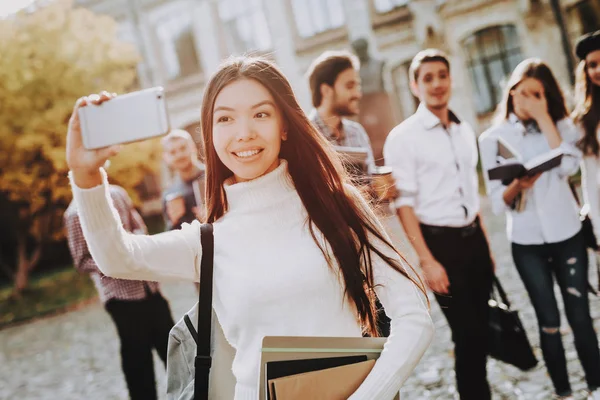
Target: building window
x=406, y=99
x=176, y=37
x=383, y=6
x=246, y=26
x=316, y=16
x=492, y=54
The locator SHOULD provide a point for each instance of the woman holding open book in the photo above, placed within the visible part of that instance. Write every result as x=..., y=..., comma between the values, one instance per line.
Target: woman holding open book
x=587, y=117
x=533, y=127
x=297, y=251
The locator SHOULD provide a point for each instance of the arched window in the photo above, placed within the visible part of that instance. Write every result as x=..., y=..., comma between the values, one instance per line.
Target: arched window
x=175, y=34
x=492, y=54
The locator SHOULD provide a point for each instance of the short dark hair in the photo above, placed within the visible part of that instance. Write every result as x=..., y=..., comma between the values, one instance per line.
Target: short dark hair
x=325, y=70
x=425, y=56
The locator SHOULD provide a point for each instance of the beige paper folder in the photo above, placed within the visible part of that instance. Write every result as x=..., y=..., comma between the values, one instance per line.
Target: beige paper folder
x=328, y=384
x=280, y=348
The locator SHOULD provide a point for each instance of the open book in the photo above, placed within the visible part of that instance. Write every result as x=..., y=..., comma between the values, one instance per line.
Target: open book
x=511, y=166
x=340, y=368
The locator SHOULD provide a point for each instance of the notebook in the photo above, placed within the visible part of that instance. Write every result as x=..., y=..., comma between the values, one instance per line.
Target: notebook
x=353, y=155
x=280, y=369
x=328, y=384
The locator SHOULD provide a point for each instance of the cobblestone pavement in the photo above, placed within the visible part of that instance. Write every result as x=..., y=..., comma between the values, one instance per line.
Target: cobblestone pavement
x=434, y=377
x=76, y=355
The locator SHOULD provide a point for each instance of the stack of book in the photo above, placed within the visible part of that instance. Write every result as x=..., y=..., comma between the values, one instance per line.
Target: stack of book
x=316, y=368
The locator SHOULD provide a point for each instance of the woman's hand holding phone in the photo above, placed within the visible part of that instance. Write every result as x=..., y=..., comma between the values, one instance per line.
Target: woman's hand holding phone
x=85, y=164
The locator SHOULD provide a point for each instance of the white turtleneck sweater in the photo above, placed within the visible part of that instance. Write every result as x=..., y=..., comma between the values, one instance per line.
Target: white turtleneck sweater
x=270, y=278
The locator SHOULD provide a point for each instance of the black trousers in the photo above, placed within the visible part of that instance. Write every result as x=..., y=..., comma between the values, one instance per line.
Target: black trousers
x=142, y=325
x=465, y=255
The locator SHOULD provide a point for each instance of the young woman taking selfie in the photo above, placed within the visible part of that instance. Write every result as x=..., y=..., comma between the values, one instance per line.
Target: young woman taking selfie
x=298, y=252
x=587, y=116
x=545, y=230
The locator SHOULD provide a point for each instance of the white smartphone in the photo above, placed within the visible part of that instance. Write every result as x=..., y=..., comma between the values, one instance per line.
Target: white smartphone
x=127, y=118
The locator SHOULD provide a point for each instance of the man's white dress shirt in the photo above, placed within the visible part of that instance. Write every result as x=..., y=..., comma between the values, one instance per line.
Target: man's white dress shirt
x=435, y=168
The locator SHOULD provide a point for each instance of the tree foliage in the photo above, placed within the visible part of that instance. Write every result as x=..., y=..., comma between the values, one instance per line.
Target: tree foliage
x=48, y=59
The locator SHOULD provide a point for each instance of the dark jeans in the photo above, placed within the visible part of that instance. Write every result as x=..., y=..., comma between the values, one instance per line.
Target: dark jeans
x=142, y=325
x=567, y=261
x=465, y=255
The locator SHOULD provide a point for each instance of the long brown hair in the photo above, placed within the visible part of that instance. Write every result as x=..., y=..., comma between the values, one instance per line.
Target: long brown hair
x=320, y=183
x=587, y=110
x=536, y=69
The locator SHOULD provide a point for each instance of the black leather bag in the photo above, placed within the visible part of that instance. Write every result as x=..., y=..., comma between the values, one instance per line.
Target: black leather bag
x=508, y=340
x=589, y=237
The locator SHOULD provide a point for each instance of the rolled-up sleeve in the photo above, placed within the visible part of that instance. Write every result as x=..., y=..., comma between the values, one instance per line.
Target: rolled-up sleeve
x=400, y=156
x=77, y=246
x=488, y=149
x=572, y=155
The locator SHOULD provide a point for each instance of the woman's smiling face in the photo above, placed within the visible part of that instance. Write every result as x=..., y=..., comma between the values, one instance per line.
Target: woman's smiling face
x=247, y=129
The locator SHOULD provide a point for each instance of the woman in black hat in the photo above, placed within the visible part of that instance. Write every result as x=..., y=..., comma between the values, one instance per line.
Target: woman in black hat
x=587, y=116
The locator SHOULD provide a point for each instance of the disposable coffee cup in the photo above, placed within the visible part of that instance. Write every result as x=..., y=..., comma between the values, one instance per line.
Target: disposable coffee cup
x=382, y=181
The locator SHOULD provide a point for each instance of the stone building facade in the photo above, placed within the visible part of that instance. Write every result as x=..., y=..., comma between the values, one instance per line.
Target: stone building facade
x=183, y=42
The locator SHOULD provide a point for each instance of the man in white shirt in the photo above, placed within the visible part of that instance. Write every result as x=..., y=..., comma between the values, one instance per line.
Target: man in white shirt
x=434, y=157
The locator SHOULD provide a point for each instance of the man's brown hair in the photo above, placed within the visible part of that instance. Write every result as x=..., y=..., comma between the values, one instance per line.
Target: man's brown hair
x=326, y=68
x=425, y=56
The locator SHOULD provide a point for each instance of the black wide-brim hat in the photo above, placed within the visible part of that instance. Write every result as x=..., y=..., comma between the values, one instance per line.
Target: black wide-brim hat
x=587, y=43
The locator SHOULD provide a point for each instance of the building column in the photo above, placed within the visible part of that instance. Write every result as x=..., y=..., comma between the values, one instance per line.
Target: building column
x=149, y=69
x=205, y=25
x=428, y=25
x=357, y=14
x=284, y=48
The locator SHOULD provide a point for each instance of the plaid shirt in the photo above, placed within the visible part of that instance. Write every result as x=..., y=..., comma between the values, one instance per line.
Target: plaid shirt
x=351, y=134
x=108, y=288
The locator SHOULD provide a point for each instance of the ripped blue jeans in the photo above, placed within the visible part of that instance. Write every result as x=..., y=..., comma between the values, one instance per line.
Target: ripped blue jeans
x=567, y=261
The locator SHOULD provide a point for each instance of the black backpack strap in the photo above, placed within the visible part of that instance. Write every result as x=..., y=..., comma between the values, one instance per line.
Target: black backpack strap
x=190, y=326
x=203, y=359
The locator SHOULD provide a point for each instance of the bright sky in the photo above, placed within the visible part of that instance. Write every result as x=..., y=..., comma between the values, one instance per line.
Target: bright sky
x=11, y=6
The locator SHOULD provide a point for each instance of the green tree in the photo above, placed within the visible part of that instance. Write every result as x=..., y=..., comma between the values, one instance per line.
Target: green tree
x=48, y=59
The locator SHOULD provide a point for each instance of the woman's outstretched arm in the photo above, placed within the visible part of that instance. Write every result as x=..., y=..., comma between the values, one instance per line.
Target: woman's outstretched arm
x=172, y=255
x=117, y=253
